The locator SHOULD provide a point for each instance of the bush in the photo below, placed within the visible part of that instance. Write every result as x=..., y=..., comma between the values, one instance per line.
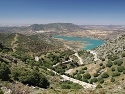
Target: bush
x=103, y=67
x=120, y=68
x=93, y=80
x=85, y=80
x=123, y=54
x=98, y=86
x=85, y=68
x=113, y=69
x=118, y=62
x=115, y=74
x=81, y=71
x=105, y=75
x=4, y=71
x=31, y=77
x=103, y=59
x=109, y=64
x=101, y=80
x=124, y=71
x=101, y=64
x=96, y=74
x=79, y=77
x=1, y=92
x=87, y=76
x=112, y=80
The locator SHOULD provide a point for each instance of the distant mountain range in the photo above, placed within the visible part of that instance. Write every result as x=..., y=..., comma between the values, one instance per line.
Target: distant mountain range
x=41, y=28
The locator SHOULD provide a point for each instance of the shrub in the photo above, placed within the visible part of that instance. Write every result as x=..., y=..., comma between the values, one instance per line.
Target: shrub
x=112, y=79
x=123, y=54
x=124, y=71
x=98, y=86
x=96, y=74
x=81, y=71
x=85, y=80
x=114, y=57
x=109, y=64
x=118, y=62
x=87, y=76
x=101, y=64
x=103, y=59
x=1, y=92
x=85, y=68
x=79, y=77
x=105, y=75
x=4, y=71
x=120, y=68
x=103, y=67
x=98, y=70
x=101, y=80
x=95, y=79
x=115, y=74
x=113, y=69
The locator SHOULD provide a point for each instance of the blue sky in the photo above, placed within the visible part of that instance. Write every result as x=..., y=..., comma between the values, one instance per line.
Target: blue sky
x=82, y=12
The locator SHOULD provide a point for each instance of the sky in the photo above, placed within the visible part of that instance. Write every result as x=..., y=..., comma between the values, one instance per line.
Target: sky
x=81, y=12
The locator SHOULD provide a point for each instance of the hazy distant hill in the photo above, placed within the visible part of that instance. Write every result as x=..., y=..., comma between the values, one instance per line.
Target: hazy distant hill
x=40, y=28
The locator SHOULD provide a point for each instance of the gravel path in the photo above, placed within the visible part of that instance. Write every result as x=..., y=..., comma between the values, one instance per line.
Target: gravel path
x=14, y=44
x=84, y=84
x=95, y=55
x=80, y=59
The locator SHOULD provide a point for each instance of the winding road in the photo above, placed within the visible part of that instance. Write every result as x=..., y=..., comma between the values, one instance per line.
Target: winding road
x=80, y=59
x=83, y=84
x=95, y=55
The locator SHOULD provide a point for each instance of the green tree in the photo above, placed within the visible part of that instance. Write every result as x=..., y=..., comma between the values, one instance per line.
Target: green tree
x=123, y=54
x=85, y=68
x=105, y=75
x=113, y=69
x=87, y=76
x=116, y=74
x=101, y=80
x=98, y=86
x=96, y=74
x=109, y=64
x=1, y=92
x=112, y=80
x=120, y=68
x=4, y=71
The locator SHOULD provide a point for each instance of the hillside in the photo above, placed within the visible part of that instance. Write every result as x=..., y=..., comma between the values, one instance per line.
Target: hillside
x=19, y=71
x=32, y=45
x=107, y=71
x=95, y=71
x=42, y=28
x=114, y=47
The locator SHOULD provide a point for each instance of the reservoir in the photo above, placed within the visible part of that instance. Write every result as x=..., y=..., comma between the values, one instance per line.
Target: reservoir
x=93, y=43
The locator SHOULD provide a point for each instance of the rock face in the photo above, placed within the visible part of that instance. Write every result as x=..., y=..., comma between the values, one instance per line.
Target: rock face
x=113, y=47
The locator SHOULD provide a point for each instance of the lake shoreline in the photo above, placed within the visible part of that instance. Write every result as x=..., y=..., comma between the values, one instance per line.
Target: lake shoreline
x=90, y=43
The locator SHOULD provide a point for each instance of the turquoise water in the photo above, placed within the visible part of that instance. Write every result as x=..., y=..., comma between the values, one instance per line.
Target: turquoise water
x=93, y=43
